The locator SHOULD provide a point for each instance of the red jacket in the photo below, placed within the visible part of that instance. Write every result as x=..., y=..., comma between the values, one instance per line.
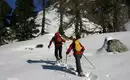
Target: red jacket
x=75, y=52
x=55, y=43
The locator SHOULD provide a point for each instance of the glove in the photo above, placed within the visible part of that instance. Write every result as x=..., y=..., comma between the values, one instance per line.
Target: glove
x=67, y=53
x=82, y=50
x=63, y=41
x=49, y=46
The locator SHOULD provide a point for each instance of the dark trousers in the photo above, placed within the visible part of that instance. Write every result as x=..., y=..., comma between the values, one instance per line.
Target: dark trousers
x=58, y=52
x=78, y=64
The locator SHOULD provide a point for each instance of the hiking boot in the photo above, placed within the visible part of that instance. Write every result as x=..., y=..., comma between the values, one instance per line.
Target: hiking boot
x=59, y=60
x=81, y=74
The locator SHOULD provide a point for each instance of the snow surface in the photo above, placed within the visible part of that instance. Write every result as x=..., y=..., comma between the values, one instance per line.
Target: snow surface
x=18, y=62
x=22, y=61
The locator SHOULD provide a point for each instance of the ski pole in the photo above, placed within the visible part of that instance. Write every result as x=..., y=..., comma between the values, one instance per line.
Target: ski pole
x=89, y=61
x=66, y=58
x=65, y=46
x=66, y=54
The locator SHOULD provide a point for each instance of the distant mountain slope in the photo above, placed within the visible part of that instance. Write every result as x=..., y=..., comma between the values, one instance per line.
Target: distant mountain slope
x=53, y=22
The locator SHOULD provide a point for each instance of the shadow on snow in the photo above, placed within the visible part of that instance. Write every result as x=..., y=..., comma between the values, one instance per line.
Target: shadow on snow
x=41, y=61
x=58, y=68
x=50, y=65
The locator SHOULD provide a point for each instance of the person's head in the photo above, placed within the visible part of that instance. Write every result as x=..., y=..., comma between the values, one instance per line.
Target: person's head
x=57, y=34
x=78, y=36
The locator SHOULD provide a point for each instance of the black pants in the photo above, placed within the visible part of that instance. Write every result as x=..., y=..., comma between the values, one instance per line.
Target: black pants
x=78, y=64
x=58, y=52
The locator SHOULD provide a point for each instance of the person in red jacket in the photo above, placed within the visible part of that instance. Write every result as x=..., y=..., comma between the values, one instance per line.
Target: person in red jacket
x=58, y=42
x=77, y=54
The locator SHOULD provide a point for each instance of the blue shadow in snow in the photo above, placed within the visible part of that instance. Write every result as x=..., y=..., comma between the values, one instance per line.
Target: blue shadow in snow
x=40, y=61
x=58, y=68
x=53, y=67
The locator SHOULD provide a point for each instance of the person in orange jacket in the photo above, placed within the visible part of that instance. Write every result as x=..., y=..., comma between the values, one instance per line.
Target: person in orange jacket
x=58, y=42
x=77, y=55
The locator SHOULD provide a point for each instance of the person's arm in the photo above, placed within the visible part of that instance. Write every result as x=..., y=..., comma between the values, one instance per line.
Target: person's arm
x=50, y=43
x=82, y=47
x=69, y=49
x=63, y=40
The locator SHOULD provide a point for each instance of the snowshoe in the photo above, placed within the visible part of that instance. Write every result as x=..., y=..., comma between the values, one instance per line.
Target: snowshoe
x=81, y=74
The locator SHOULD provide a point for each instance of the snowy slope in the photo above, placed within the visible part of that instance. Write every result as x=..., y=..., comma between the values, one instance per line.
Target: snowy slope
x=18, y=63
x=53, y=21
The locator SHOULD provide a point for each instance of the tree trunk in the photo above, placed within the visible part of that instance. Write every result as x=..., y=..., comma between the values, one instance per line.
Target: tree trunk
x=77, y=19
x=81, y=24
x=43, y=19
x=103, y=26
x=61, y=18
x=77, y=23
x=115, y=19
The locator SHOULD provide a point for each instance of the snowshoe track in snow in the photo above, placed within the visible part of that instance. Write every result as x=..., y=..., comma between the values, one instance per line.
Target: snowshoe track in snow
x=71, y=70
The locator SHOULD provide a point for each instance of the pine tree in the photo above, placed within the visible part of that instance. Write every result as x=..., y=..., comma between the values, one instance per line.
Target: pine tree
x=5, y=10
x=25, y=26
x=113, y=15
x=127, y=2
x=76, y=8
